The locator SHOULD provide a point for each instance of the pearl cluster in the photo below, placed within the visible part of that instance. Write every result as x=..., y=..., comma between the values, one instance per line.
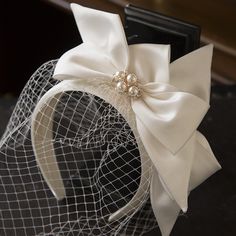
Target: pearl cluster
x=127, y=83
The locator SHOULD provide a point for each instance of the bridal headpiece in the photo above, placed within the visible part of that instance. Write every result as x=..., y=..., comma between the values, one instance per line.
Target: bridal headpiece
x=124, y=112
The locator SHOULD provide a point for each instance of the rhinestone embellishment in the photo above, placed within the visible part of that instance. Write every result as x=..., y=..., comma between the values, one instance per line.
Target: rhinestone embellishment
x=127, y=83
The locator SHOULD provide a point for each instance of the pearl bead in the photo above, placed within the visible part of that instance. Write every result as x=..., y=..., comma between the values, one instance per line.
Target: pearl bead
x=134, y=91
x=120, y=74
x=131, y=79
x=117, y=79
x=121, y=87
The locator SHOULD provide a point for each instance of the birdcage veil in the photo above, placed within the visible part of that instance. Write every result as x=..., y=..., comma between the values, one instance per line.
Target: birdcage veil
x=104, y=140
x=98, y=157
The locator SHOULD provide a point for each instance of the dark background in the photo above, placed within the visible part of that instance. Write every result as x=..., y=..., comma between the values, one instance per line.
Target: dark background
x=31, y=33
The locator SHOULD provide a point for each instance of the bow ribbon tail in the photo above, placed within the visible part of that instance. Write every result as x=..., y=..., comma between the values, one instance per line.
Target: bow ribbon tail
x=165, y=209
x=174, y=169
x=166, y=121
x=204, y=165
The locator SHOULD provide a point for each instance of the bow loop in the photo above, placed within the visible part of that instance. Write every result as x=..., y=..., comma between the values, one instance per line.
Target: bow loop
x=83, y=62
x=170, y=116
x=192, y=72
x=105, y=31
x=104, y=49
x=150, y=62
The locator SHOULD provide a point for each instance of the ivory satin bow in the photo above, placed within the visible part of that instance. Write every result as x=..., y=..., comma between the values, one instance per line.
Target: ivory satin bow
x=174, y=100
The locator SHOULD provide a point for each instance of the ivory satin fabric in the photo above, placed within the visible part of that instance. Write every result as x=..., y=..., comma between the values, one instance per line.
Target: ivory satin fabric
x=175, y=98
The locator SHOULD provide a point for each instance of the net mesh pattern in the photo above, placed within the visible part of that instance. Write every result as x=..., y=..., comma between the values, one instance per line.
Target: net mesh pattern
x=99, y=162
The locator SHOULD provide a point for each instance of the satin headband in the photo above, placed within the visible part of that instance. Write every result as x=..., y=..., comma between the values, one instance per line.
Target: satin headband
x=167, y=102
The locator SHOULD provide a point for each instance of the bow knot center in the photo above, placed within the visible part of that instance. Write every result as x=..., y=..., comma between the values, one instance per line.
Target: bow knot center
x=127, y=83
